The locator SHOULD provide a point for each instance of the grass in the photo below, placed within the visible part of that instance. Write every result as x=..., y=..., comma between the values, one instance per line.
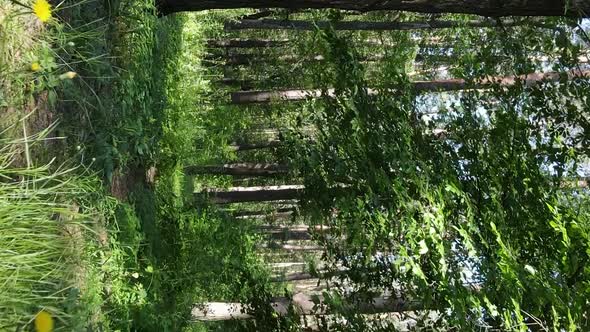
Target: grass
x=42, y=230
x=139, y=260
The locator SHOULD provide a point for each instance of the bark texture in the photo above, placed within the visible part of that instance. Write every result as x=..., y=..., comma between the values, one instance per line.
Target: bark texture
x=250, y=97
x=255, y=146
x=492, y=8
x=246, y=43
x=238, y=169
x=251, y=58
x=303, y=304
x=254, y=194
x=290, y=246
x=264, y=212
x=274, y=216
x=360, y=25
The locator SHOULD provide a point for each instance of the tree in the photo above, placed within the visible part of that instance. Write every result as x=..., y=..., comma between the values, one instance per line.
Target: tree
x=480, y=207
x=361, y=25
x=288, y=234
x=246, y=43
x=249, y=213
x=302, y=304
x=254, y=194
x=255, y=146
x=239, y=169
x=490, y=8
x=291, y=246
x=248, y=97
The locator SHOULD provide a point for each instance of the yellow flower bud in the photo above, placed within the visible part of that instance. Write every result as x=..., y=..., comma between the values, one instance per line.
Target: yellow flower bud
x=44, y=322
x=35, y=66
x=69, y=75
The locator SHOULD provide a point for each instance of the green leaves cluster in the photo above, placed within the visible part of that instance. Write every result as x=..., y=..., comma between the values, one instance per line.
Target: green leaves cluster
x=474, y=224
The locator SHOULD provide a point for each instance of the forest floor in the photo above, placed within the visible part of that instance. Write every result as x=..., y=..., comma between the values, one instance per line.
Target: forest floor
x=95, y=119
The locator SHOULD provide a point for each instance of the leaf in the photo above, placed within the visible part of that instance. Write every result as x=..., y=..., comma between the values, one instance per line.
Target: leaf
x=423, y=247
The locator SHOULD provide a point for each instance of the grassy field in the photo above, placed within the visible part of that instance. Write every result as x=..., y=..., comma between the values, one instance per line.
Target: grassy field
x=97, y=109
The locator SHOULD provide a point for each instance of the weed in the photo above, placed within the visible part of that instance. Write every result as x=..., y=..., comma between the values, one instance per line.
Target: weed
x=42, y=228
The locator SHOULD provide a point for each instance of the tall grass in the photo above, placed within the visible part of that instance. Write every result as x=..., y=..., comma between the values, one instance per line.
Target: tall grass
x=41, y=229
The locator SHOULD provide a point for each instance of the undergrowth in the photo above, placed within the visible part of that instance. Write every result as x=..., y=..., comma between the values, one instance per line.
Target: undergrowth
x=119, y=87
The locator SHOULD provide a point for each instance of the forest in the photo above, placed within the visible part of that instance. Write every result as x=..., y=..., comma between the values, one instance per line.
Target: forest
x=303, y=165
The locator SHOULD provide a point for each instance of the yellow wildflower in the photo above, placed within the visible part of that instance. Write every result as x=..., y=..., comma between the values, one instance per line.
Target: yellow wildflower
x=35, y=66
x=69, y=75
x=44, y=322
x=42, y=10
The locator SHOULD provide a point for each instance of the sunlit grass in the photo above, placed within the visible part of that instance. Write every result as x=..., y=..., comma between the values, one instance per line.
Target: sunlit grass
x=40, y=223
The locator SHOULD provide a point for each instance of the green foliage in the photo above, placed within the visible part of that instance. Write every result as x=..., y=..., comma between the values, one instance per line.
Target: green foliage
x=116, y=114
x=199, y=255
x=46, y=230
x=474, y=224
x=479, y=223
x=130, y=106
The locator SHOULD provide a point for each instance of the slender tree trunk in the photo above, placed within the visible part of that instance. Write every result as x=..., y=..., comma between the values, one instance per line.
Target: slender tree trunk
x=293, y=277
x=362, y=25
x=262, y=13
x=243, y=84
x=491, y=8
x=246, y=43
x=303, y=304
x=275, y=228
x=239, y=169
x=255, y=146
x=288, y=265
x=291, y=247
x=578, y=183
x=235, y=81
x=254, y=194
x=263, y=212
x=267, y=43
x=247, y=59
x=249, y=97
x=274, y=216
x=290, y=235
x=293, y=232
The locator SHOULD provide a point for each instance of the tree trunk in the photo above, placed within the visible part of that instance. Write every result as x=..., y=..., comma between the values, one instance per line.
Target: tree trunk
x=290, y=246
x=272, y=217
x=579, y=183
x=239, y=169
x=248, y=58
x=293, y=232
x=263, y=212
x=254, y=194
x=250, y=97
x=246, y=43
x=362, y=25
x=255, y=146
x=243, y=84
x=275, y=228
x=293, y=277
x=267, y=43
x=260, y=14
x=289, y=235
x=303, y=304
x=288, y=265
x=491, y=8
